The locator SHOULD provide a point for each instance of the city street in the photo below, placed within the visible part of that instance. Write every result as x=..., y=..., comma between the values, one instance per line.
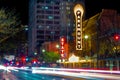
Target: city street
x=53, y=74
x=23, y=75
x=59, y=40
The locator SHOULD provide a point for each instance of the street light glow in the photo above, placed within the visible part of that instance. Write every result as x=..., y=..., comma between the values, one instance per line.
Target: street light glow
x=43, y=50
x=57, y=46
x=86, y=36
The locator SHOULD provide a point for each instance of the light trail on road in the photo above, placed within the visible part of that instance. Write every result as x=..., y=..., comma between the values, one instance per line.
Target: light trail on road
x=104, y=74
x=64, y=72
x=77, y=70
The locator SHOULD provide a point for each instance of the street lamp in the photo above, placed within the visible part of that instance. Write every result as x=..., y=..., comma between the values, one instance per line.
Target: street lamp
x=57, y=46
x=35, y=53
x=86, y=46
x=86, y=37
x=43, y=50
x=117, y=42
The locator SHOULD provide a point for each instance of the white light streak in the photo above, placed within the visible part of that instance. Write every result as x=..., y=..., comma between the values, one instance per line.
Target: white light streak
x=83, y=73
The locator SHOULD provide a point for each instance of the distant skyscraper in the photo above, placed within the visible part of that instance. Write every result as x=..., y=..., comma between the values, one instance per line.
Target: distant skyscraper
x=48, y=20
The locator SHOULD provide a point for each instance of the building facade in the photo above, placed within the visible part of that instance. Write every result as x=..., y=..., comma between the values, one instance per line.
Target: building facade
x=101, y=50
x=48, y=20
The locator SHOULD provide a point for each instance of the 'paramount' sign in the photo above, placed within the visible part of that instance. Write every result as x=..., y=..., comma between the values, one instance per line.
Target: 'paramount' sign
x=78, y=11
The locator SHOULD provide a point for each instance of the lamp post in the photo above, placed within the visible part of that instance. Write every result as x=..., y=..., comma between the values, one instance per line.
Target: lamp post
x=86, y=38
x=43, y=50
x=117, y=42
x=87, y=47
x=57, y=46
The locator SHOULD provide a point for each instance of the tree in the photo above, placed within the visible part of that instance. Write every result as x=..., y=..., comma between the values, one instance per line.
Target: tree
x=51, y=57
x=9, y=23
x=108, y=45
x=9, y=26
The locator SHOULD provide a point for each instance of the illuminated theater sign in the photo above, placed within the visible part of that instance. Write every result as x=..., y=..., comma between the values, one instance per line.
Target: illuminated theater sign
x=78, y=11
x=62, y=47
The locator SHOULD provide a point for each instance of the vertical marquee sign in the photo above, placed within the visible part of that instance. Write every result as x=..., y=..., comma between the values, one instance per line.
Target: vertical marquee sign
x=78, y=12
x=62, y=49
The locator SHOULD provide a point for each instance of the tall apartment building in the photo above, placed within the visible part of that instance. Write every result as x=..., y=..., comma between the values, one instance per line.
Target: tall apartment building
x=48, y=20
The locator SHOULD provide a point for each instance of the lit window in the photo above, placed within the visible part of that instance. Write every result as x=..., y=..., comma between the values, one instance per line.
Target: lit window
x=46, y=7
x=50, y=17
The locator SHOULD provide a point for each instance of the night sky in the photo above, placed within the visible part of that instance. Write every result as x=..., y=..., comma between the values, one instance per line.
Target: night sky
x=20, y=7
x=95, y=6
x=92, y=7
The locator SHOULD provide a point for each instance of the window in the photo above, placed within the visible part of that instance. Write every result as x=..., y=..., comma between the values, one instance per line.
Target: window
x=56, y=12
x=56, y=22
x=40, y=12
x=56, y=7
x=46, y=7
x=50, y=17
x=40, y=21
x=38, y=1
x=49, y=12
x=49, y=22
x=56, y=17
x=40, y=16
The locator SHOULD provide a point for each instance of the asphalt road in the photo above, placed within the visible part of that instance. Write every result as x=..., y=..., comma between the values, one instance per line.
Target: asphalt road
x=28, y=75
x=23, y=74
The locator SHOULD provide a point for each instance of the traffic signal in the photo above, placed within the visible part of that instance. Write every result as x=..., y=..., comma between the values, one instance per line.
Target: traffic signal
x=116, y=37
x=23, y=59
